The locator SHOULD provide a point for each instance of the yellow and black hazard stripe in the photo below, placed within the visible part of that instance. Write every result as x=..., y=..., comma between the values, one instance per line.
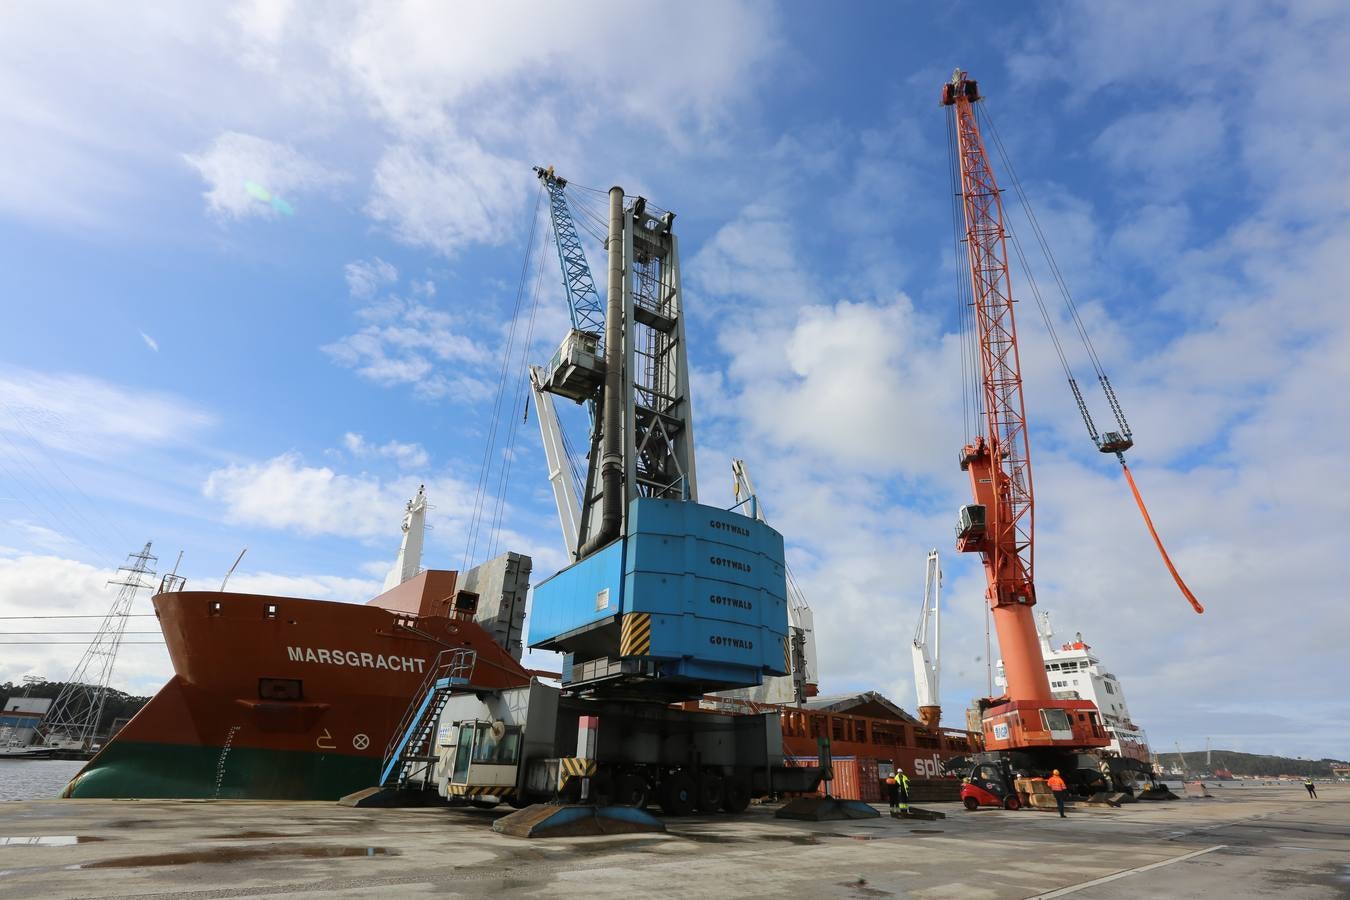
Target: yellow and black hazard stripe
x=787, y=655
x=480, y=790
x=576, y=765
x=570, y=767
x=635, y=635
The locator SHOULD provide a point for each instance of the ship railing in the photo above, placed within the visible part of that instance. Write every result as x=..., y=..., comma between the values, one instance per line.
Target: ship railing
x=412, y=742
x=172, y=584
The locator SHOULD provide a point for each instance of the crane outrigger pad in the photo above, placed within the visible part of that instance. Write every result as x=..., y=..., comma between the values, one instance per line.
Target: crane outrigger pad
x=576, y=820
x=825, y=809
x=391, y=798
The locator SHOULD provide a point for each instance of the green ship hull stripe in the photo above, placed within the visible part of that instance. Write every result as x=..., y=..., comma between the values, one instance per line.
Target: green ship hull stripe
x=172, y=772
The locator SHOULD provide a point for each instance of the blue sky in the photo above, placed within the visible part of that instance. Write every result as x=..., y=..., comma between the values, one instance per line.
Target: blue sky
x=185, y=363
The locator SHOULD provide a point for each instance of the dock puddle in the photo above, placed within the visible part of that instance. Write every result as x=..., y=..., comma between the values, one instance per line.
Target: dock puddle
x=237, y=854
x=48, y=840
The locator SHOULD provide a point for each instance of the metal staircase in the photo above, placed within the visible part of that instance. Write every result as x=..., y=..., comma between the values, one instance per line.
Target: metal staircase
x=411, y=750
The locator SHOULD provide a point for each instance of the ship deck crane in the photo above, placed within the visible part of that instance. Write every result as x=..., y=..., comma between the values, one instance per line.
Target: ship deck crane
x=927, y=645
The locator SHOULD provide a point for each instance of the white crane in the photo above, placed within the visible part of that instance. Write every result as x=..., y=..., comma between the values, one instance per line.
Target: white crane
x=559, y=466
x=409, y=561
x=801, y=623
x=927, y=643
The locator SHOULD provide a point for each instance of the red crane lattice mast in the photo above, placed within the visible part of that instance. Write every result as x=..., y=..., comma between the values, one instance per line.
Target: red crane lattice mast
x=1000, y=524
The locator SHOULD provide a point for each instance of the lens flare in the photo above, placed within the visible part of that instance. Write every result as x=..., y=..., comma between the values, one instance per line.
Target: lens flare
x=258, y=192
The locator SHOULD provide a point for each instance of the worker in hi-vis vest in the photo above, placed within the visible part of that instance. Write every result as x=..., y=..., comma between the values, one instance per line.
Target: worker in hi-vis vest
x=1060, y=789
x=897, y=791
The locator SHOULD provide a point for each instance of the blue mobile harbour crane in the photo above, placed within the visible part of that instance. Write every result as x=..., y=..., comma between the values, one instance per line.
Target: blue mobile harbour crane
x=665, y=600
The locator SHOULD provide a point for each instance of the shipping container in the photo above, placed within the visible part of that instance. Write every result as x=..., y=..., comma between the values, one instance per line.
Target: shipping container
x=854, y=779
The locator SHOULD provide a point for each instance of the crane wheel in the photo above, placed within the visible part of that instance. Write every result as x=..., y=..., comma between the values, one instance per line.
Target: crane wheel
x=971, y=803
x=631, y=790
x=710, y=793
x=677, y=795
x=735, y=794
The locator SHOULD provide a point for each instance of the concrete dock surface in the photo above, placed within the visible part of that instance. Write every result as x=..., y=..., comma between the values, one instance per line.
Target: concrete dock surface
x=1247, y=841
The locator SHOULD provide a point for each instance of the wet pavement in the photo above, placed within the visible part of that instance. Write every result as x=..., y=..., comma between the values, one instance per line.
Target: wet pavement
x=1269, y=841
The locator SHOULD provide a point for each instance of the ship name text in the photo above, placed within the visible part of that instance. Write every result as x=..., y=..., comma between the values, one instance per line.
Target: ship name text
x=360, y=660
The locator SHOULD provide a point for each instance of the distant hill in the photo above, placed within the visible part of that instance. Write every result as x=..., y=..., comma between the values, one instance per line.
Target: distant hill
x=119, y=705
x=1251, y=763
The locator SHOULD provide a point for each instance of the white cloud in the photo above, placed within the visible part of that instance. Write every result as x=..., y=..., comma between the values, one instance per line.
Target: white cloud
x=365, y=278
x=88, y=416
x=316, y=587
x=284, y=493
x=55, y=585
x=450, y=195
x=150, y=342
x=412, y=345
x=410, y=456
x=248, y=175
x=408, y=341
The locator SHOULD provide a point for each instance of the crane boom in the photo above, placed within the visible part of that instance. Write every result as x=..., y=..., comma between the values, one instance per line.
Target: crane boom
x=559, y=467
x=583, y=300
x=927, y=645
x=1000, y=524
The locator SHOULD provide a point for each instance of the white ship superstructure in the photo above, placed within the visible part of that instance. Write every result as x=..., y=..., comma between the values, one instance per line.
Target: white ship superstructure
x=1076, y=673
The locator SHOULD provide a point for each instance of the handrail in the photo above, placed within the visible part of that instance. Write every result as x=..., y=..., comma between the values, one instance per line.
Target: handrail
x=445, y=674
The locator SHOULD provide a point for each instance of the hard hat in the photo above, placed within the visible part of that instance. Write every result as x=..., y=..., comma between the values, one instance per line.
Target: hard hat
x=1056, y=772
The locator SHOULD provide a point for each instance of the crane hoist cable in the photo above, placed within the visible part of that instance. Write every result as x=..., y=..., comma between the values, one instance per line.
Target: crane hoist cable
x=1111, y=442
x=490, y=445
x=522, y=398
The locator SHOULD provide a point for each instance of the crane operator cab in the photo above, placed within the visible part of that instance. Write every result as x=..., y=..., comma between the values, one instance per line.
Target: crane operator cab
x=971, y=523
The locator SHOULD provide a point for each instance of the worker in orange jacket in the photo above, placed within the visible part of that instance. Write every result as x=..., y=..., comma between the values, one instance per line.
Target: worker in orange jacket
x=1061, y=790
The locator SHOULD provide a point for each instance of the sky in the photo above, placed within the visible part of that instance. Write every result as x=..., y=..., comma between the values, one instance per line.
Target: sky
x=258, y=264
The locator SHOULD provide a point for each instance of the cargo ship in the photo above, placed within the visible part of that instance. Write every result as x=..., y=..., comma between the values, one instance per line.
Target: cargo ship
x=293, y=698
x=1077, y=673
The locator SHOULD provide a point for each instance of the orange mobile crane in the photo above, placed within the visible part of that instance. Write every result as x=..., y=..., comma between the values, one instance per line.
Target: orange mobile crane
x=999, y=525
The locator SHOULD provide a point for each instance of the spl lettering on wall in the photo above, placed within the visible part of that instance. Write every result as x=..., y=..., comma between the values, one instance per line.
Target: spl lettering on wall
x=928, y=768
x=359, y=660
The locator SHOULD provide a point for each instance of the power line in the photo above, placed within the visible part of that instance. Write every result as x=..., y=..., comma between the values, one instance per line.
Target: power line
x=89, y=616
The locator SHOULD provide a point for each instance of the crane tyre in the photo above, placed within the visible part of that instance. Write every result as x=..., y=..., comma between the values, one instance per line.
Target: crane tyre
x=971, y=803
x=631, y=790
x=710, y=793
x=735, y=794
x=677, y=795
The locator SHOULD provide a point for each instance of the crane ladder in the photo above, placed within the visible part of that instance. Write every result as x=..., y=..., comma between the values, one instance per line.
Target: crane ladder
x=412, y=739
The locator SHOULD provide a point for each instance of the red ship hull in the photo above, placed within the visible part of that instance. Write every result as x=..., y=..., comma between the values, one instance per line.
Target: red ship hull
x=285, y=698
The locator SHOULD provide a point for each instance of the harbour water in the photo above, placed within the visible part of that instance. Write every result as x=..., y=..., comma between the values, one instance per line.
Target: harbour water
x=35, y=779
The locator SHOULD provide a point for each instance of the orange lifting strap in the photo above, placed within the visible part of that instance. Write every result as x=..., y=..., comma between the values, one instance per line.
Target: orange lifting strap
x=1176, y=576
